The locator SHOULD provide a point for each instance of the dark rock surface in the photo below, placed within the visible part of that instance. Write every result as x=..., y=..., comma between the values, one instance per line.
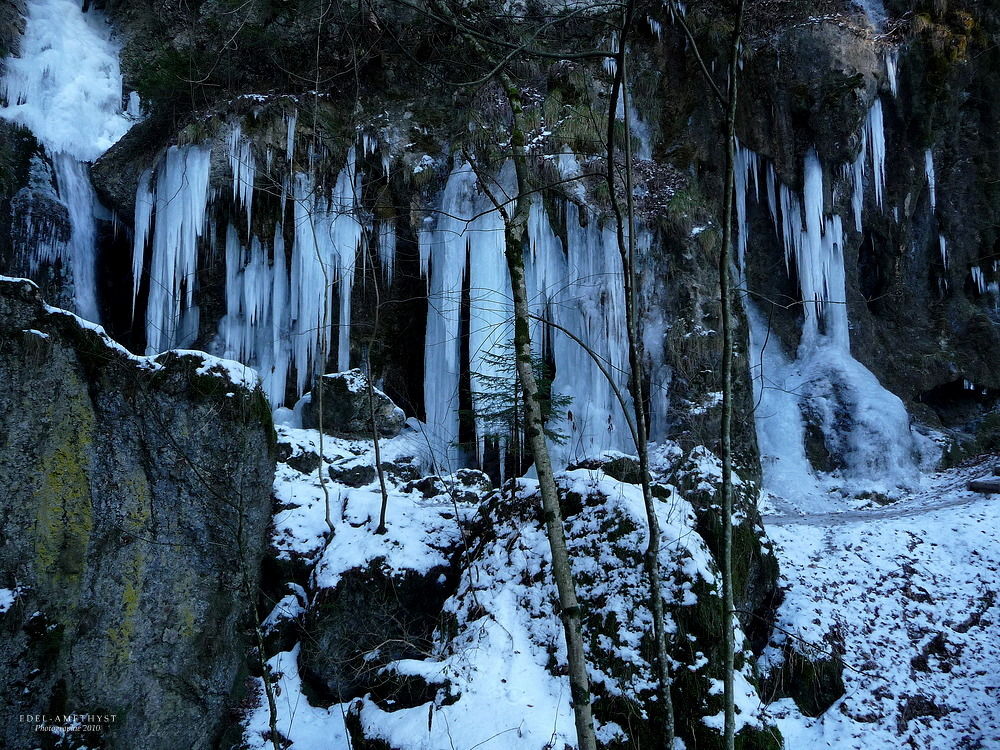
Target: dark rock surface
x=346, y=411
x=136, y=501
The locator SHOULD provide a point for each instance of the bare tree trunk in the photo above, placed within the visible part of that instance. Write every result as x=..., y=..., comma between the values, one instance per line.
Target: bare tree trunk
x=375, y=439
x=627, y=248
x=515, y=226
x=514, y=231
x=726, y=304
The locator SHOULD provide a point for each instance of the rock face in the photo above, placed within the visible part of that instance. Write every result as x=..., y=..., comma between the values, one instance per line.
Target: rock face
x=346, y=410
x=136, y=501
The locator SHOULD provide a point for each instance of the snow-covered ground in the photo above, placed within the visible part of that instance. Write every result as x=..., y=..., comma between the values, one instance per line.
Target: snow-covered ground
x=905, y=592
x=909, y=591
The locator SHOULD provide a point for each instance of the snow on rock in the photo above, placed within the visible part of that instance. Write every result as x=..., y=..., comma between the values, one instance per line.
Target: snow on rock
x=451, y=614
x=346, y=410
x=907, y=593
x=7, y=599
x=504, y=659
x=235, y=372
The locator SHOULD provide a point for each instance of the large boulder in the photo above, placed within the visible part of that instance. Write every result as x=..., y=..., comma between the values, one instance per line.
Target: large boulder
x=346, y=411
x=136, y=499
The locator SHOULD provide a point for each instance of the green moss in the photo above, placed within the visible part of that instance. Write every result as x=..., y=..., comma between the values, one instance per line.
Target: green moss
x=121, y=635
x=64, y=516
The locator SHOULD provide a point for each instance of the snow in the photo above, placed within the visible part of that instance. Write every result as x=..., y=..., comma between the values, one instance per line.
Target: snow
x=910, y=590
x=235, y=372
x=308, y=727
x=145, y=362
x=7, y=598
x=419, y=531
x=498, y=662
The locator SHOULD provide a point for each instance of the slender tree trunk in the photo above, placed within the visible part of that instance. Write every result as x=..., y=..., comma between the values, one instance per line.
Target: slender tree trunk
x=514, y=229
x=375, y=440
x=726, y=304
x=515, y=226
x=627, y=248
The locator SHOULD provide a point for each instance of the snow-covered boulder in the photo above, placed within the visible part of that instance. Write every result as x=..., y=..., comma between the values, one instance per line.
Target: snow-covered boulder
x=346, y=410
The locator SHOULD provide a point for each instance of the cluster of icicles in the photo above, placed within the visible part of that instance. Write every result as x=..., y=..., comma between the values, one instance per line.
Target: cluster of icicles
x=287, y=307
x=875, y=441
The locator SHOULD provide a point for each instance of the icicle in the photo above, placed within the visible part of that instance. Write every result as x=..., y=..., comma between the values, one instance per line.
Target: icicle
x=443, y=258
x=858, y=181
x=244, y=166
x=490, y=308
x=929, y=171
x=387, y=248
x=610, y=64
x=875, y=133
x=327, y=238
x=746, y=161
x=943, y=245
x=179, y=207
x=979, y=279
x=143, y=213
x=772, y=197
x=276, y=383
x=891, y=58
x=134, y=108
x=291, y=120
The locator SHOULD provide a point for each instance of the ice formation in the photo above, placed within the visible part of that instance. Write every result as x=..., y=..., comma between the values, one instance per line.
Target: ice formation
x=244, y=166
x=865, y=428
x=174, y=208
x=576, y=284
x=66, y=87
x=931, y=182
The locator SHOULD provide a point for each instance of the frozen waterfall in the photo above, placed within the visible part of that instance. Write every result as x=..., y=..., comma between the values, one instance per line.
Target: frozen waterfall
x=66, y=87
x=576, y=284
x=866, y=435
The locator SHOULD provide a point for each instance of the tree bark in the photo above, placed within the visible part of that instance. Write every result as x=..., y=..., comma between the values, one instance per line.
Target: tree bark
x=725, y=449
x=627, y=249
x=515, y=226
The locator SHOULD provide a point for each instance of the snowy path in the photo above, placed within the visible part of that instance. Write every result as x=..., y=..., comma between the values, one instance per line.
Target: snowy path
x=949, y=491
x=909, y=592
